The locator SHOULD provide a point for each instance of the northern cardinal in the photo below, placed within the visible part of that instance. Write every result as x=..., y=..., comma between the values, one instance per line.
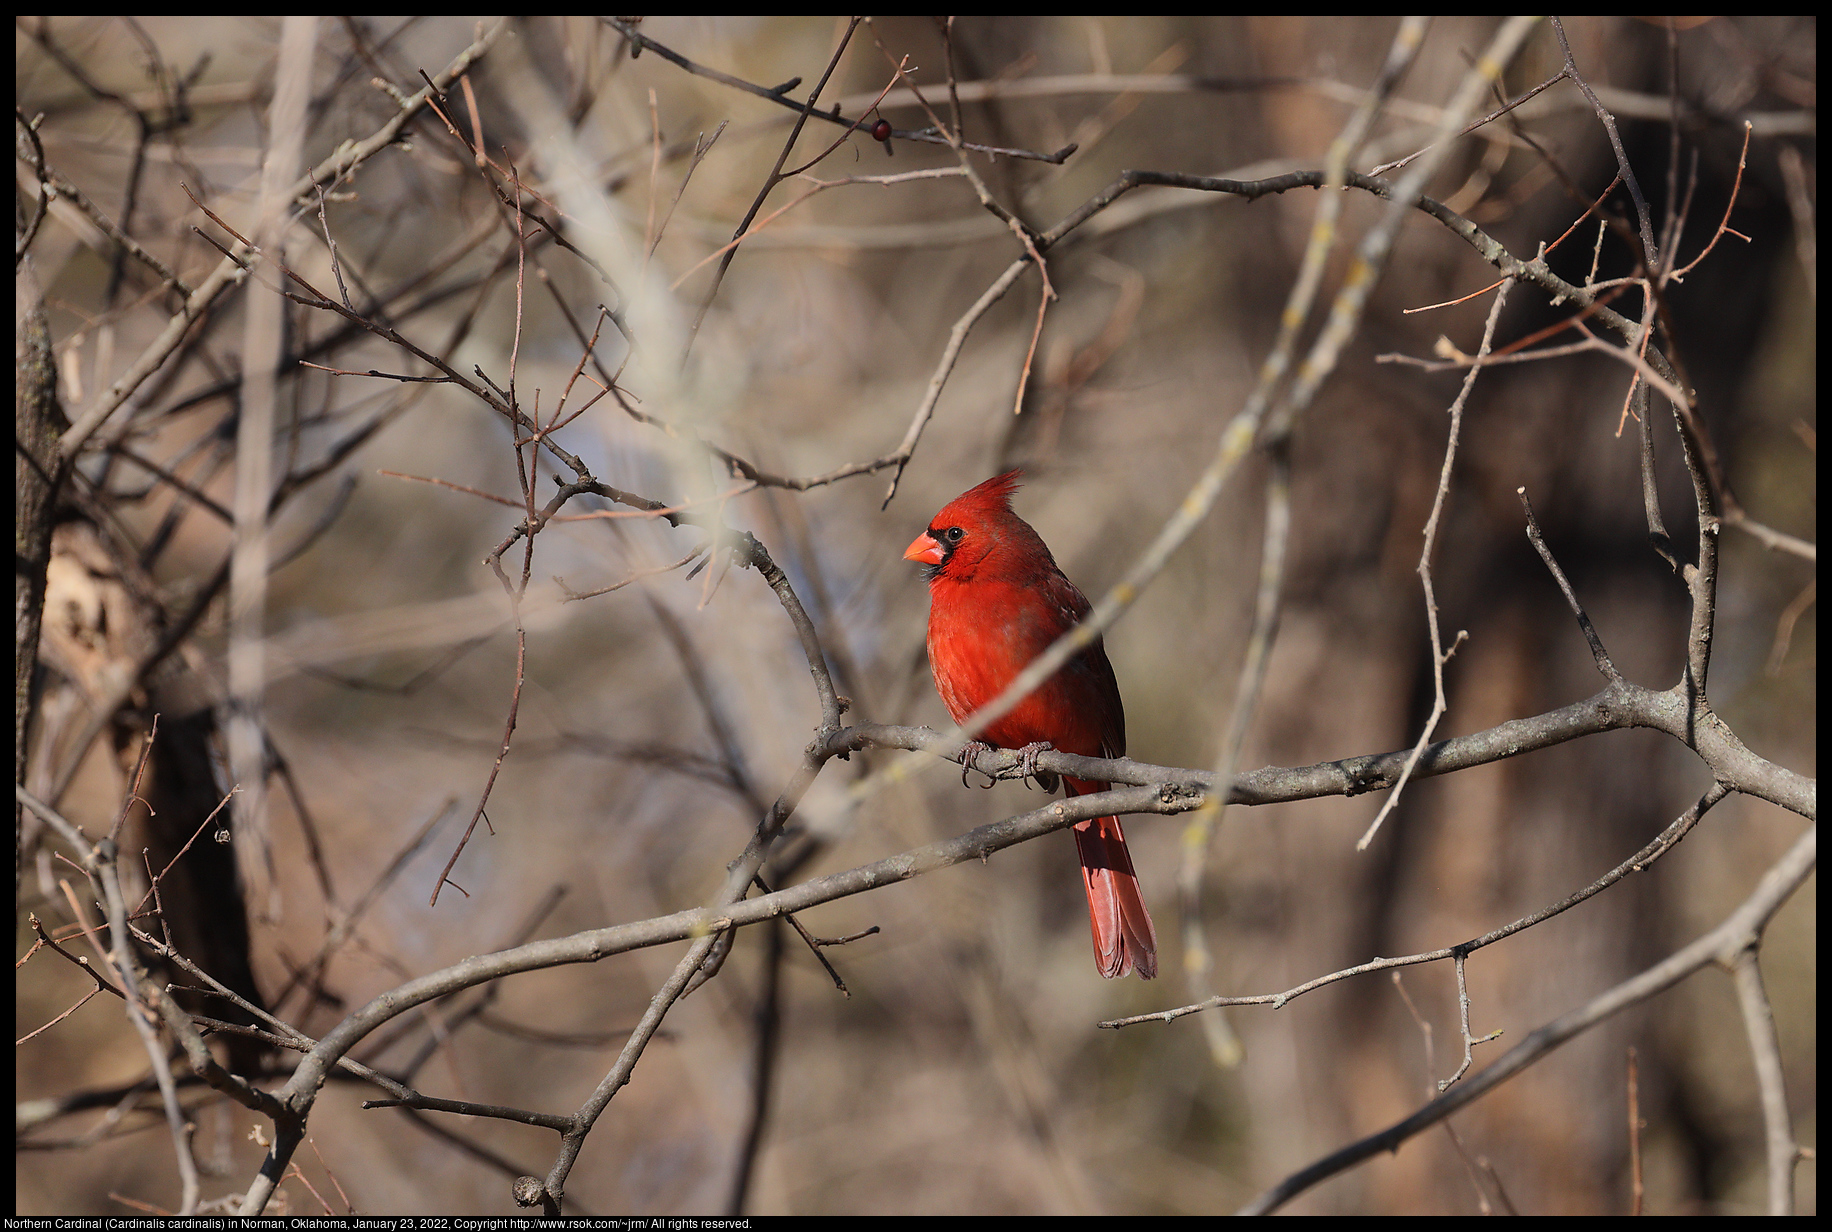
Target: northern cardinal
x=996, y=601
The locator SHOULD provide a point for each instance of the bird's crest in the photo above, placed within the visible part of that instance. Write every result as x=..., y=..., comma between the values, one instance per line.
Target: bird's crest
x=993, y=495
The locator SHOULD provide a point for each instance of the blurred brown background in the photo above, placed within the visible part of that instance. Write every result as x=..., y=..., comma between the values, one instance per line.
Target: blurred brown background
x=965, y=1073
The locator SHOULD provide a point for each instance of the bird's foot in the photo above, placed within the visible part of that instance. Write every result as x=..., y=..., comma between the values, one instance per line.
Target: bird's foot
x=1027, y=765
x=969, y=751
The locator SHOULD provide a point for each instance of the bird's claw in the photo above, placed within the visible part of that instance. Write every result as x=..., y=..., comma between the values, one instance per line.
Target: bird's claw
x=1025, y=770
x=1027, y=765
x=969, y=751
x=1027, y=756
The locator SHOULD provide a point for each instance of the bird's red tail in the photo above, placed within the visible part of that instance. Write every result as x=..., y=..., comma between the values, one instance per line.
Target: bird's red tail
x=1124, y=939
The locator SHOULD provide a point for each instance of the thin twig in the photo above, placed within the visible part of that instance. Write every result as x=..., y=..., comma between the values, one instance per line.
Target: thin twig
x=1719, y=945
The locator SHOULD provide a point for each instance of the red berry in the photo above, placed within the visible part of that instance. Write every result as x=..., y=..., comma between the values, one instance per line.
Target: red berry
x=881, y=131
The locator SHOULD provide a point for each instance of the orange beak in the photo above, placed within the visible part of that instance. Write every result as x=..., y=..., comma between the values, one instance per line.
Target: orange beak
x=925, y=549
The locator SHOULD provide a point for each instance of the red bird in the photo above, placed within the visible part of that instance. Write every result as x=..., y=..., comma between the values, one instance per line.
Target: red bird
x=996, y=601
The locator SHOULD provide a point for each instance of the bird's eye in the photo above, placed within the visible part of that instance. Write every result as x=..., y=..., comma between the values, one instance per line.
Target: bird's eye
x=953, y=534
